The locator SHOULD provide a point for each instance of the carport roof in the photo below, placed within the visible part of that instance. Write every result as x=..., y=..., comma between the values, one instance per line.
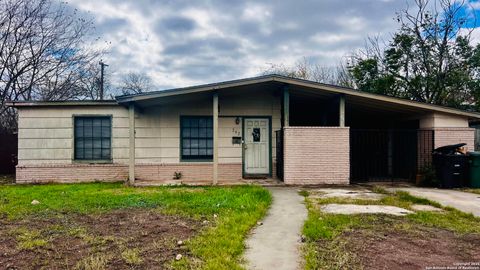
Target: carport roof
x=320, y=87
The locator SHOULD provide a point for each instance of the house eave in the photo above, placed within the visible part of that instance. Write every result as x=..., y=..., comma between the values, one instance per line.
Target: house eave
x=296, y=82
x=18, y=104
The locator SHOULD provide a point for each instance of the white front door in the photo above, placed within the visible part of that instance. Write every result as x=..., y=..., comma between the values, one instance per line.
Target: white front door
x=256, y=146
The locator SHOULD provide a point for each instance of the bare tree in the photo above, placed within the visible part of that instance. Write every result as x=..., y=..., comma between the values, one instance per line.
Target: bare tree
x=43, y=53
x=135, y=83
x=88, y=84
x=303, y=69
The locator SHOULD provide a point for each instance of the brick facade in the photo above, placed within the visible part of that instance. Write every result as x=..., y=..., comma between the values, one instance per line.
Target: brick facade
x=198, y=173
x=71, y=173
x=192, y=173
x=316, y=155
x=313, y=155
x=446, y=136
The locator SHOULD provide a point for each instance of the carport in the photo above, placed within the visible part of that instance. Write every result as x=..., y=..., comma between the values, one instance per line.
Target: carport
x=390, y=139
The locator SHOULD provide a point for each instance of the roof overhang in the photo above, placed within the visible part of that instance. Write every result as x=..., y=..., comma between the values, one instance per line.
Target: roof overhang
x=314, y=86
x=193, y=92
x=18, y=104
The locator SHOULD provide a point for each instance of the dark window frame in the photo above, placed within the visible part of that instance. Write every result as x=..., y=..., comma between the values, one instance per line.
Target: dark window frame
x=206, y=139
x=90, y=159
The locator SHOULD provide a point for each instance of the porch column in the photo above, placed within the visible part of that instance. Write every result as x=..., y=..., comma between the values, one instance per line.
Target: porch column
x=286, y=107
x=215, y=138
x=341, y=121
x=131, y=126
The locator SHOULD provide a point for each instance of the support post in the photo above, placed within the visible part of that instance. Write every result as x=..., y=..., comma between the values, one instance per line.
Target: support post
x=341, y=121
x=286, y=107
x=215, y=138
x=131, y=125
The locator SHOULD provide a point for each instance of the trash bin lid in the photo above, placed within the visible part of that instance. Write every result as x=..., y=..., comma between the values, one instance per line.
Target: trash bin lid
x=449, y=148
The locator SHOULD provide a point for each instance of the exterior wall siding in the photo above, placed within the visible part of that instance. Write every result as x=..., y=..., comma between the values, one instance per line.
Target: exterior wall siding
x=316, y=155
x=313, y=155
x=441, y=120
x=45, y=134
x=158, y=128
x=46, y=140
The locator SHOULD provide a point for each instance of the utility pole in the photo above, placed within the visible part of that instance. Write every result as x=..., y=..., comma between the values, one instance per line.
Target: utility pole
x=102, y=70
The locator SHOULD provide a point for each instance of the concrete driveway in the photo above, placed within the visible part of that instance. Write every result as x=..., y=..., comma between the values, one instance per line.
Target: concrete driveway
x=463, y=201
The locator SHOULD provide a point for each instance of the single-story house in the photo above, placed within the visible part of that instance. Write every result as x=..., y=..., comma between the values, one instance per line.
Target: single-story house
x=271, y=126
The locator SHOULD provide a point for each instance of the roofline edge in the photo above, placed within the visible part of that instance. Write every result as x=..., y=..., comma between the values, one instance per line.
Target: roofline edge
x=17, y=104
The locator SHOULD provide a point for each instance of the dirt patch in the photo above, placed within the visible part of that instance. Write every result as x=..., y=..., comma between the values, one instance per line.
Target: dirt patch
x=128, y=238
x=418, y=249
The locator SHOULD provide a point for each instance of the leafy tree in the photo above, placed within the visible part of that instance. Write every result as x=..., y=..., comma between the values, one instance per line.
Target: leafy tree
x=430, y=59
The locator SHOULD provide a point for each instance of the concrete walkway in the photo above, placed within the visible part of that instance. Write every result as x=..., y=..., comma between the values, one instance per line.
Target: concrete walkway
x=463, y=201
x=275, y=244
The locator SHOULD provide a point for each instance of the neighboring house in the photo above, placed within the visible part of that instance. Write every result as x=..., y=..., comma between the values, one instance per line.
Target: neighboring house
x=270, y=126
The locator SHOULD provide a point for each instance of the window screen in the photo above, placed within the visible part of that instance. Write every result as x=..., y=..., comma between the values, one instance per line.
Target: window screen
x=197, y=137
x=93, y=138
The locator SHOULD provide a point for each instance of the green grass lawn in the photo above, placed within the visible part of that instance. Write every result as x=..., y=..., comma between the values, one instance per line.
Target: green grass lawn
x=328, y=235
x=216, y=246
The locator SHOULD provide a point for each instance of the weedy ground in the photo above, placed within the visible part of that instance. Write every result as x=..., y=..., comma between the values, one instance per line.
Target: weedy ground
x=111, y=226
x=378, y=241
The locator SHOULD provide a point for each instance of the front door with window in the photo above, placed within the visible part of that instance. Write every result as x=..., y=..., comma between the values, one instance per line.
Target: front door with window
x=256, y=146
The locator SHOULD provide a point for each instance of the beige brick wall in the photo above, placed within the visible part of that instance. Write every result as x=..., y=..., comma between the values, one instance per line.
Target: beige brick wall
x=446, y=136
x=71, y=173
x=316, y=155
x=195, y=172
x=192, y=173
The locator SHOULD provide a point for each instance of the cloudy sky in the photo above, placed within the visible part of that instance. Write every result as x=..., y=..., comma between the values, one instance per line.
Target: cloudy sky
x=180, y=43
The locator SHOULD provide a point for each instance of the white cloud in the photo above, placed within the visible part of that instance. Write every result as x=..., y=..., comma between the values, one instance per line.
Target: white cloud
x=333, y=38
x=181, y=43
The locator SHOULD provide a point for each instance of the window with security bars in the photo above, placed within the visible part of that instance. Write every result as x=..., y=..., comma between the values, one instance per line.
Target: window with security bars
x=93, y=138
x=196, y=137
